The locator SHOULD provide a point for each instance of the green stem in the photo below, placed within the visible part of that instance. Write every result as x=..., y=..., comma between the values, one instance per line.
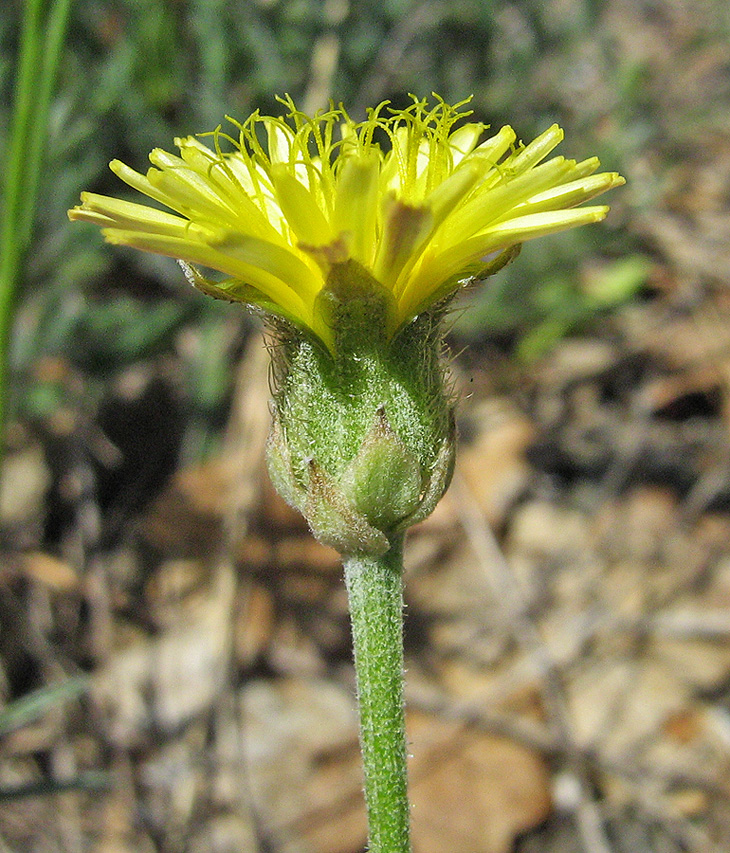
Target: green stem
x=375, y=590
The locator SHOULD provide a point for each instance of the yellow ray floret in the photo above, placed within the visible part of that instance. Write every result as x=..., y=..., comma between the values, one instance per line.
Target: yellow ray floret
x=413, y=200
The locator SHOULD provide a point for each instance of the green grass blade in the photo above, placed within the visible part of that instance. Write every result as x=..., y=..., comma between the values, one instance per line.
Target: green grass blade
x=21, y=123
x=36, y=141
x=27, y=138
x=91, y=780
x=32, y=706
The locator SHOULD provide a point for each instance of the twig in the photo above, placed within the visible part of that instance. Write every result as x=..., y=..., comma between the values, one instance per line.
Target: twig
x=248, y=426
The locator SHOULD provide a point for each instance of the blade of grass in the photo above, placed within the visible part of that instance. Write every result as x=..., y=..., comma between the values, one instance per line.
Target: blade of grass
x=40, y=52
x=55, y=37
x=91, y=780
x=28, y=708
x=21, y=119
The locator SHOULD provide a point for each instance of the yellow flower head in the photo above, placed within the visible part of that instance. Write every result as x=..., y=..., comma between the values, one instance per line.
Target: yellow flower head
x=416, y=204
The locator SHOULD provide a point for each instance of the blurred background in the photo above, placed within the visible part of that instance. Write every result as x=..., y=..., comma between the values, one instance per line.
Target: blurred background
x=174, y=652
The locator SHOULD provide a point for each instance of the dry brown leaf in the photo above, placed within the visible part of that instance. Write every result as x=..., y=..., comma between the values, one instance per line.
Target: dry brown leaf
x=494, y=466
x=254, y=624
x=48, y=570
x=187, y=518
x=163, y=684
x=470, y=790
x=24, y=481
x=304, y=764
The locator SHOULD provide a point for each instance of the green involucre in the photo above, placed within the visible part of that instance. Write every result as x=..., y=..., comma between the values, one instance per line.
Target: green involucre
x=363, y=438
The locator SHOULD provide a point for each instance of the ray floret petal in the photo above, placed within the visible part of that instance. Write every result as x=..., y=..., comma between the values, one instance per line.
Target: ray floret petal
x=415, y=198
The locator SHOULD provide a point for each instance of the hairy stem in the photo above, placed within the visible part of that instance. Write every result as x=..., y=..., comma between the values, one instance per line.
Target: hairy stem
x=375, y=589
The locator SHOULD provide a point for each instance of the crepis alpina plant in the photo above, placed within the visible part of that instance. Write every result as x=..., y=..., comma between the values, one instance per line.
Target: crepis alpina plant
x=351, y=238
